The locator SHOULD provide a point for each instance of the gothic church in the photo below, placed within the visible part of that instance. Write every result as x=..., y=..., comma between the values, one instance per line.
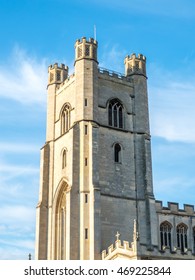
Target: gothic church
x=96, y=199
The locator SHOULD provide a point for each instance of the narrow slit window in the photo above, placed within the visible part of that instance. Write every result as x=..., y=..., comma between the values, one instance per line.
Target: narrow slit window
x=85, y=161
x=86, y=198
x=64, y=159
x=85, y=101
x=86, y=129
x=86, y=233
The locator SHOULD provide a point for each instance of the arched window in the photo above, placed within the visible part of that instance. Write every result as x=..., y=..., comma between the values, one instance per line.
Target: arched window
x=165, y=235
x=64, y=158
x=115, y=113
x=117, y=153
x=61, y=223
x=65, y=118
x=61, y=227
x=182, y=242
x=194, y=238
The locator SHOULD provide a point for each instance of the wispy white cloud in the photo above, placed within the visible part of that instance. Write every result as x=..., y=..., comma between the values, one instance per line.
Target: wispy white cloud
x=14, y=181
x=13, y=192
x=173, y=172
x=6, y=147
x=171, y=97
x=17, y=214
x=169, y=185
x=112, y=56
x=13, y=253
x=26, y=243
x=186, y=150
x=23, y=78
x=172, y=100
x=17, y=170
x=172, y=188
x=17, y=231
x=16, y=249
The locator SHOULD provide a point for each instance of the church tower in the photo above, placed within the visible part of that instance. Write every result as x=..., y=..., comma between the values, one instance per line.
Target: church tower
x=96, y=174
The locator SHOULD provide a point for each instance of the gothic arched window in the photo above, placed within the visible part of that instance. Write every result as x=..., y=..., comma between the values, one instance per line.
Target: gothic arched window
x=115, y=113
x=61, y=222
x=117, y=153
x=60, y=228
x=65, y=118
x=165, y=235
x=182, y=241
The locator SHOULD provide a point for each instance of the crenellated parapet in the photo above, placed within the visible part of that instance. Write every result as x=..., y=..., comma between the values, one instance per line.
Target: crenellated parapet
x=86, y=49
x=57, y=73
x=135, y=64
x=119, y=250
x=125, y=249
x=70, y=79
x=114, y=74
x=173, y=207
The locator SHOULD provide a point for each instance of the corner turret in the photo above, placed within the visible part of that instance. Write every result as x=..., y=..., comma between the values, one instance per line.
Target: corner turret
x=135, y=65
x=57, y=74
x=86, y=49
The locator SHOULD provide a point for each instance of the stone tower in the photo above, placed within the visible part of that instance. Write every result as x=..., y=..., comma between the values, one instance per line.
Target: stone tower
x=96, y=174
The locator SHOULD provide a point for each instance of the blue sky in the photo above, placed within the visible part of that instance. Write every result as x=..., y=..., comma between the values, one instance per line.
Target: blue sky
x=37, y=33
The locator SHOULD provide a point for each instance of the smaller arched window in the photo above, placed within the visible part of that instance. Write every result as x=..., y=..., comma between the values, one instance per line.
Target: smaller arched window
x=117, y=153
x=165, y=235
x=182, y=241
x=115, y=113
x=64, y=158
x=65, y=118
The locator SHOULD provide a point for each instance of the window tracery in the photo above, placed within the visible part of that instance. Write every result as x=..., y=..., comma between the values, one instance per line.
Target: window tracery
x=65, y=119
x=115, y=113
x=165, y=235
x=182, y=242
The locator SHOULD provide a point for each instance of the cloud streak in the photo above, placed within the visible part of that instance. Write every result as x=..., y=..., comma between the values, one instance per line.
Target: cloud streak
x=171, y=97
x=17, y=170
x=6, y=147
x=17, y=231
x=24, y=78
x=17, y=214
x=172, y=102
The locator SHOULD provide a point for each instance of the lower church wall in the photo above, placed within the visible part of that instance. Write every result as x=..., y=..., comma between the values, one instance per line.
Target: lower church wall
x=115, y=218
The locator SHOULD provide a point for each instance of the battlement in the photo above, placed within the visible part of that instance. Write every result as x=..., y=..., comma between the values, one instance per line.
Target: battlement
x=56, y=66
x=114, y=74
x=139, y=56
x=135, y=64
x=125, y=250
x=66, y=82
x=173, y=207
x=84, y=40
x=57, y=73
x=86, y=49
